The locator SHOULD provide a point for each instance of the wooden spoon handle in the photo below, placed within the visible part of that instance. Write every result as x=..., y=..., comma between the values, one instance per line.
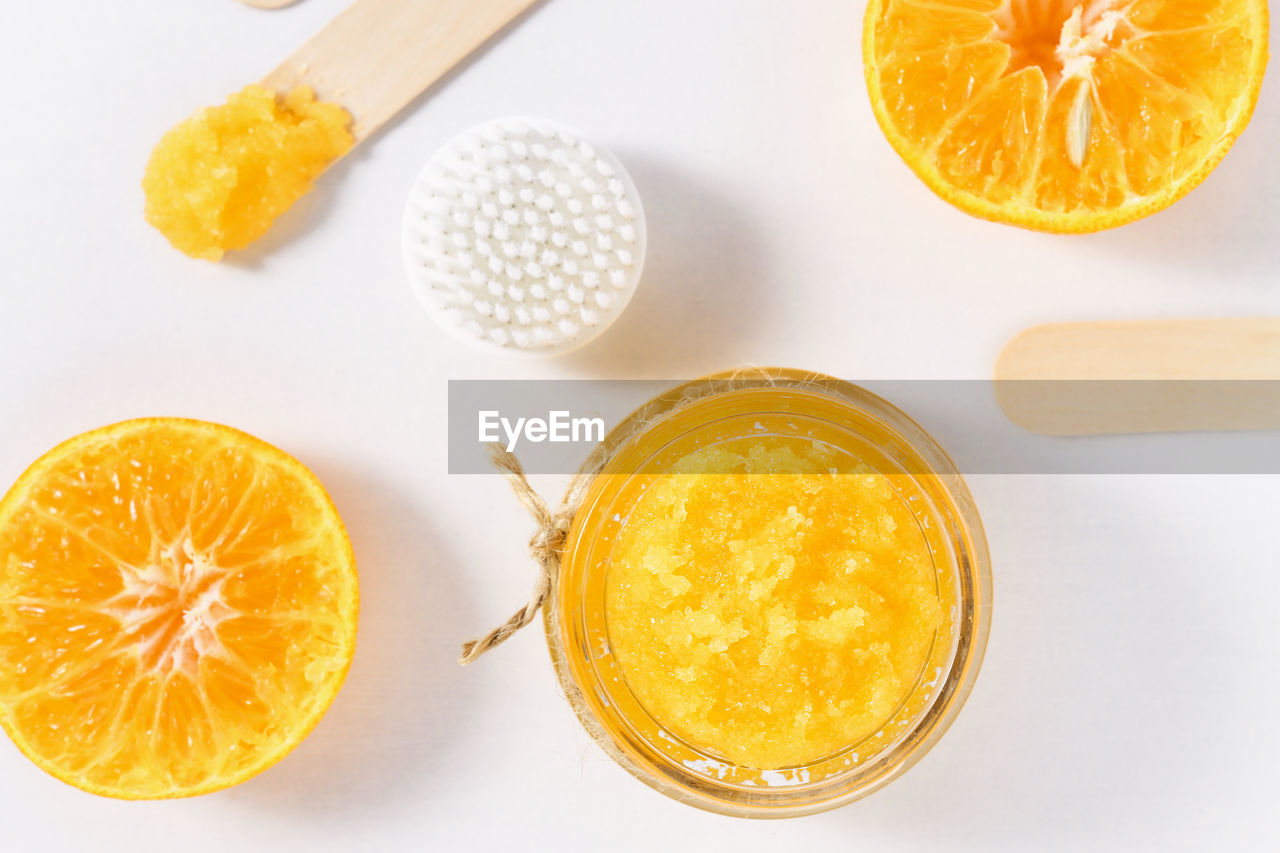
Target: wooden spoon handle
x=268, y=4
x=379, y=55
x=1146, y=349
x=1143, y=376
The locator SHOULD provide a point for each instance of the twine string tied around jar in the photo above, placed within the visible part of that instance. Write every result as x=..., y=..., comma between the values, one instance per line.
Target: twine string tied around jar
x=546, y=547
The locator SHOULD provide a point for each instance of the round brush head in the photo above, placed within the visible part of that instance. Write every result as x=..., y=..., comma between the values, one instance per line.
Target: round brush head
x=521, y=236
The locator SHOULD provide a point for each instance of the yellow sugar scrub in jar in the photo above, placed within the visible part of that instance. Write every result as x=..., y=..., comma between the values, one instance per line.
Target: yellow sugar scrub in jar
x=774, y=594
x=771, y=600
x=218, y=180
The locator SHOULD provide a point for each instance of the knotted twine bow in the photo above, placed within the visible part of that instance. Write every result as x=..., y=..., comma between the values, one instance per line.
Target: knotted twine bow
x=546, y=548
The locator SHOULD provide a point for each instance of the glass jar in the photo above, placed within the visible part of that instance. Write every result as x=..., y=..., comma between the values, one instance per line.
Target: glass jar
x=722, y=408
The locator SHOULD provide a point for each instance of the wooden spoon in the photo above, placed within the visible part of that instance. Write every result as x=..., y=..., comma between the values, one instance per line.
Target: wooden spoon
x=377, y=56
x=1143, y=376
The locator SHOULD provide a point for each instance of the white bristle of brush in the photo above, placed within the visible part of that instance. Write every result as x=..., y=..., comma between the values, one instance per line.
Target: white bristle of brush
x=522, y=237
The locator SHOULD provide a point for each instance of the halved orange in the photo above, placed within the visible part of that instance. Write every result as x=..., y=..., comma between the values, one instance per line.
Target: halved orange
x=1064, y=115
x=177, y=608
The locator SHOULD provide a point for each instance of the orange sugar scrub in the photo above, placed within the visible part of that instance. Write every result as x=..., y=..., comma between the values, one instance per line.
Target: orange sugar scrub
x=771, y=600
x=218, y=180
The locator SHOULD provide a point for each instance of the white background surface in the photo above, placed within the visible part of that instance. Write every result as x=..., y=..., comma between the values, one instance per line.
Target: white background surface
x=1130, y=694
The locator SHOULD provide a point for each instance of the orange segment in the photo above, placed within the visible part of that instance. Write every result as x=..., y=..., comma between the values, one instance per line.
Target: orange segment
x=1064, y=115
x=177, y=608
x=1003, y=118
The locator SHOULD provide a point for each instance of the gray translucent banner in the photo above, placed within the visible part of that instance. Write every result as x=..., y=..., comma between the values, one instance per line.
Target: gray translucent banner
x=1063, y=426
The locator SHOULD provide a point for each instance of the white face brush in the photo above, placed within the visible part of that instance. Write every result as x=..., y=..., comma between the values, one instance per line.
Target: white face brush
x=520, y=236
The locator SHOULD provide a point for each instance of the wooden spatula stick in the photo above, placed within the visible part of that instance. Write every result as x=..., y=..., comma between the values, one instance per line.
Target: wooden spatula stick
x=377, y=56
x=1143, y=376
